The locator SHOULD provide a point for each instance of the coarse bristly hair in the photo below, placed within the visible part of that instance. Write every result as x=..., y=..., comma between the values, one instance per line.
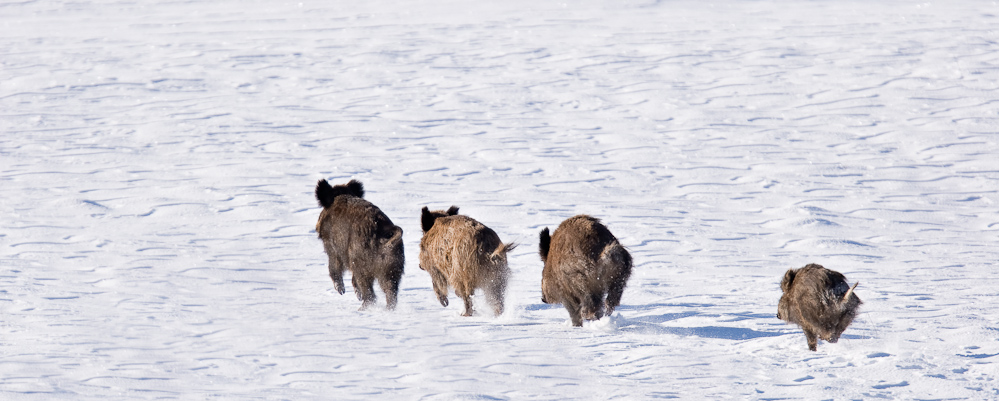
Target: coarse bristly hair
x=583, y=264
x=461, y=253
x=358, y=237
x=818, y=300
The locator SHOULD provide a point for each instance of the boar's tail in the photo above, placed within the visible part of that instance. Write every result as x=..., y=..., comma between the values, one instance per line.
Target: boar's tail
x=846, y=297
x=396, y=236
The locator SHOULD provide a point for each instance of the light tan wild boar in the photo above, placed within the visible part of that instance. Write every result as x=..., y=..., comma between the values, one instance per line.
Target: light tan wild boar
x=464, y=254
x=818, y=300
x=584, y=262
x=358, y=237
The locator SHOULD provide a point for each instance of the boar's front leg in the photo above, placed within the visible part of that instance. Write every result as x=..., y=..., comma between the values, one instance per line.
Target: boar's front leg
x=572, y=305
x=620, y=263
x=614, y=292
x=590, y=307
x=813, y=340
x=494, y=294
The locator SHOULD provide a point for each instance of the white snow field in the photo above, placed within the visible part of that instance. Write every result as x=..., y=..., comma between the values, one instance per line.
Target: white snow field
x=157, y=215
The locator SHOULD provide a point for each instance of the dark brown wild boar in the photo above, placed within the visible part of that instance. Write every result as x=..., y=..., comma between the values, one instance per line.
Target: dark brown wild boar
x=462, y=253
x=819, y=300
x=358, y=237
x=584, y=262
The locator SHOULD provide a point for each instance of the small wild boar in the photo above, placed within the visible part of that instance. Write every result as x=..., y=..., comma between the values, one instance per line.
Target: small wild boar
x=819, y=300
x=358, y=237
x=462, y=253
x=584, y=262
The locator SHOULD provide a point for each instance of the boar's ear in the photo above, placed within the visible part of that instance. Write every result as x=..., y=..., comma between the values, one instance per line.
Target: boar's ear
x=325, y=193
x=427, y=219
x=453, y=210
x=356, y=188
x=785, y=284
x=546, y=242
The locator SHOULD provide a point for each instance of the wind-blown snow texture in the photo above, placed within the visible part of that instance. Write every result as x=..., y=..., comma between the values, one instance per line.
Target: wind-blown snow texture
x=157, y=163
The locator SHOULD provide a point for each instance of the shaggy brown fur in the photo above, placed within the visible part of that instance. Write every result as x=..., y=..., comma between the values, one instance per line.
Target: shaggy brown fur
x=462, y=253
x=819, y=300
x=358, y=237
x=583, y=263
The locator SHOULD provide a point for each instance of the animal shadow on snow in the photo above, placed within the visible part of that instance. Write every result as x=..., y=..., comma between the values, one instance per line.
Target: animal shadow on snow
x=653, y=324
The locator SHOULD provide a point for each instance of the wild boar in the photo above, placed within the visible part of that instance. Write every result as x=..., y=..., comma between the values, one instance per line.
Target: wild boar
x=464, y=254
x=818, y=300
x=358, y=237
x=583, y=263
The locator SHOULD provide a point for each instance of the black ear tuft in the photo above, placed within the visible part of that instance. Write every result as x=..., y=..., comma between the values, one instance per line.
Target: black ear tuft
x=325, y=193
x=453, y=210
x=356, y=188
x=427, y=219
x=545, y=243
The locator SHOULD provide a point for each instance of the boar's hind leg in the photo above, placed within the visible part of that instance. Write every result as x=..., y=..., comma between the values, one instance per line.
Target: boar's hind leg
x=465, y=294
x=390, y=285
x=812, y=339
x=336, y=272
x=364, y=288
x=337, y=277
x=440, y=284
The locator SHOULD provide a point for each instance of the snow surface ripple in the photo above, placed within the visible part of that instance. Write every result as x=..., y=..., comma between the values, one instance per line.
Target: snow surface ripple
x=157, y=162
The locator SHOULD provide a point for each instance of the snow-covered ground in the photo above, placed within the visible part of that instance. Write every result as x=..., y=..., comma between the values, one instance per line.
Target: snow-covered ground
x=158, y=161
